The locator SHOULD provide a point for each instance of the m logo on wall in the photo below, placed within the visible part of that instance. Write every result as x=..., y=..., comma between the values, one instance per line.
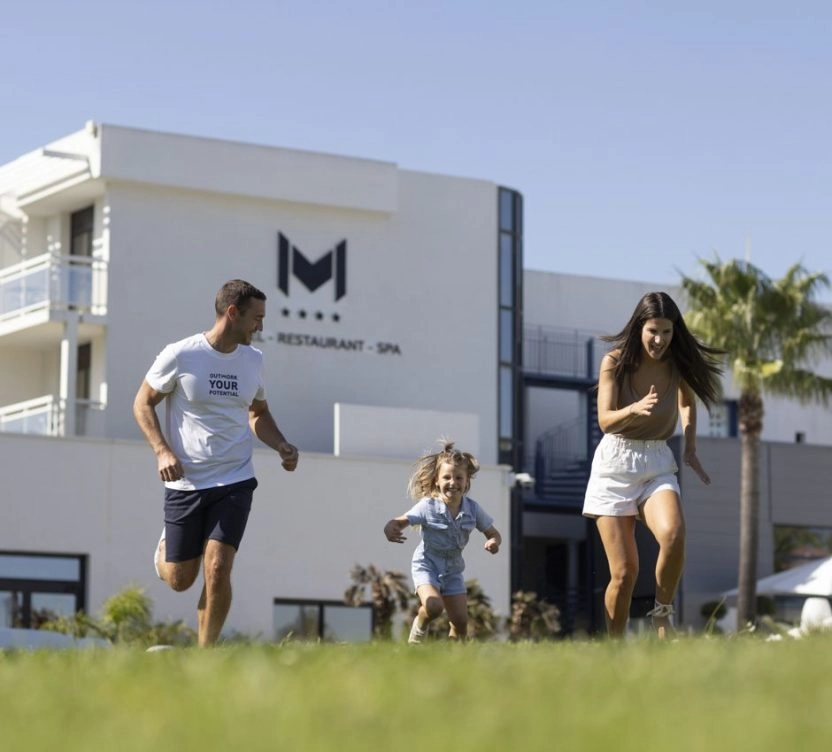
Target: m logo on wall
x=292, y=263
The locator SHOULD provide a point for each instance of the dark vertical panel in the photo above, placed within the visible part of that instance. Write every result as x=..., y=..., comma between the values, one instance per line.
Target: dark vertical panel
x=341, y=270
x=283, y=263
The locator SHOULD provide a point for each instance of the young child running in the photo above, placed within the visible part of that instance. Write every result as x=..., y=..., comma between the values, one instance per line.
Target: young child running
x=446, y=517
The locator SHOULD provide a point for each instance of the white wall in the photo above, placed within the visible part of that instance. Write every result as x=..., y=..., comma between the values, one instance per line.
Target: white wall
x=11, y=239
x=371, y=431
x=184, y=214
x=590, y=304
x=28, y=373
x=409, y=283
x=234, y=168
x=306, y=531
x=179, y=216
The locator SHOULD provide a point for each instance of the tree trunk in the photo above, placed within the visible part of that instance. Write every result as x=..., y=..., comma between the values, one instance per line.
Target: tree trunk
x=751, y=426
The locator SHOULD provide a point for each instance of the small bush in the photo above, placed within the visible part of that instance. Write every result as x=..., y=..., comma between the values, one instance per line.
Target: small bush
x=532, y=618
x=125, y=618
x=389, y=593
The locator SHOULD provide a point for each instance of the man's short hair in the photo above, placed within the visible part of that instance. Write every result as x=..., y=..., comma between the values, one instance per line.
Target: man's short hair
x=236, y=292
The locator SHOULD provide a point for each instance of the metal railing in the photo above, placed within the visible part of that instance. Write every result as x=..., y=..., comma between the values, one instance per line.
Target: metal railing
x=53, y=281
x=564, y=443
x=568, y=353
x=45, y=416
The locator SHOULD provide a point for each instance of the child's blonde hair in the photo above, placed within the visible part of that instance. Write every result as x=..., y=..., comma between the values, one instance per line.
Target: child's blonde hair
x=423, y=481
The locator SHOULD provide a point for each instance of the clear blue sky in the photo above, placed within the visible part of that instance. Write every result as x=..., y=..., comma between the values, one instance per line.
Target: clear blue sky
x=642, y=134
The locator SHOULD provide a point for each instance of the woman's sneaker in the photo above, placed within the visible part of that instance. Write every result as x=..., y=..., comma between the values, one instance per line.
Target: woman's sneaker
x=662, y=617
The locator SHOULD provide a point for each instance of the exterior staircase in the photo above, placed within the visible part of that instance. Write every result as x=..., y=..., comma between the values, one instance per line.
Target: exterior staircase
x=566, y=484
x=563, y=457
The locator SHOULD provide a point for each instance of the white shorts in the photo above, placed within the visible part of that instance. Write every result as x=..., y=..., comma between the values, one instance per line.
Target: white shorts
x=627, y=472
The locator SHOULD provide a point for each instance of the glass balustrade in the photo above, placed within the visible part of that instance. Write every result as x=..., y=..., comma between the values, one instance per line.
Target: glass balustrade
x=53, y=281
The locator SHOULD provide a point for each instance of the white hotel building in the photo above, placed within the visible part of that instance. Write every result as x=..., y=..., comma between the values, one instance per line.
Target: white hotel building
x=398, y=311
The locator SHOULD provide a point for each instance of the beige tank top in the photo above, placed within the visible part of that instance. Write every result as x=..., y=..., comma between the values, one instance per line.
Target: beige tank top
x=662, y=423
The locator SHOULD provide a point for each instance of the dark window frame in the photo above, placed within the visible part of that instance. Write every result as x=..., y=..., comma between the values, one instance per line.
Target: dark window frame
x=29, y=586
x=510, y=232
x=321, y=605
x=81, y=228
x=83, y=382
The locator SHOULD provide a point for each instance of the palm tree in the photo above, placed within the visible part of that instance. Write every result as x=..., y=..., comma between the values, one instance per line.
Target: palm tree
x=389, y=592
x=773, y=332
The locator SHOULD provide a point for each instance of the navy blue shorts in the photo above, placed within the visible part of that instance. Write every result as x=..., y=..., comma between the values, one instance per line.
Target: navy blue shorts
x=194, y=517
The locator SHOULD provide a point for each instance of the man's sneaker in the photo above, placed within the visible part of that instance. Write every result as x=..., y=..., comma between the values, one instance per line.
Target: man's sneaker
x=416, y=634
x=157, y=555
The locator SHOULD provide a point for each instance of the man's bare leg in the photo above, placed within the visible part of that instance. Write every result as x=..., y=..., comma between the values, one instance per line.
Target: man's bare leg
x=178, y=575
x=215, y=600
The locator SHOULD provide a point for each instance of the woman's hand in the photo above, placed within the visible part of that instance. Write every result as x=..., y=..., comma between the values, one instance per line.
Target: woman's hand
x=646, y=404
x=692, y=461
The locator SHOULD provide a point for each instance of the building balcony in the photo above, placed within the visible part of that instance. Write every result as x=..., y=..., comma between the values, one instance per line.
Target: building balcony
x=47, y=416
x=47, y=288
x=552, y=353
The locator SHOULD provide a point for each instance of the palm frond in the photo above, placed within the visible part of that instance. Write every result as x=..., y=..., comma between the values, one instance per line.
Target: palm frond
x=773, y=330
x=802, y=385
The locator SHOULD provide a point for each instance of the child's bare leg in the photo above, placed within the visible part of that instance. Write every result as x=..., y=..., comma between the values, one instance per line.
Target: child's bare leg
x=431, y=605
x=430, y=608
x=457, y=608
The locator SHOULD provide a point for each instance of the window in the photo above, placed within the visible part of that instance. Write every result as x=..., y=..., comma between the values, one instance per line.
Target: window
x=80, y=249
x=332, y=621
x=507, y=210
x=80, y=230
x=722, y=420
x=84, y=372
x=506, y=270
x=35, y=588
x=506, y=336
x=506, y=402
x=509, y=325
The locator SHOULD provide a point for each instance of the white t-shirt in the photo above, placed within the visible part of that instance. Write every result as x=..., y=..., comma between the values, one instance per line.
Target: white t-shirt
x=206, y=410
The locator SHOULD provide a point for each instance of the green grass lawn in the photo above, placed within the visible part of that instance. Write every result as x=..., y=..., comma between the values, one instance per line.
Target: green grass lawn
x=696, y=694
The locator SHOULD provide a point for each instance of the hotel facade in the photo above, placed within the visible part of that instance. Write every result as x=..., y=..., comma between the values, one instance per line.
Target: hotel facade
x=398, y=311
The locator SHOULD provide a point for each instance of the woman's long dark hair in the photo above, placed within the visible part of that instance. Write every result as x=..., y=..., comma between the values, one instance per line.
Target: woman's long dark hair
x=698, y=363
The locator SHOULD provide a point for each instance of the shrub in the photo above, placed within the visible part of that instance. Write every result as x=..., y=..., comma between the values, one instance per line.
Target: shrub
x=389, y=592
x=532, y=618
x=125, y=618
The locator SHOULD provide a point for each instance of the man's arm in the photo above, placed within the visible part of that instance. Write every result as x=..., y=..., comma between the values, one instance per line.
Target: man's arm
x=264, y=427
x=144, y=411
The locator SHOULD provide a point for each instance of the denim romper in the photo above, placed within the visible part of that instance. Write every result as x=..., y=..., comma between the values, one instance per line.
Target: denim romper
x=437, y=559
